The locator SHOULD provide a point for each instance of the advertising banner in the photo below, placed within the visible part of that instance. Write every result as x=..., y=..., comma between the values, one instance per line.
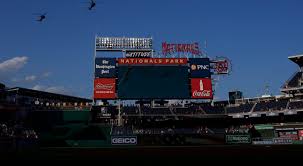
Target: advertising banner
x=300, y=134
x=199, y=67
x=293, y=135
x=284, y=141
x=105, y=67
x=104, y=88
x=138, y=54
x=267, y=142
x=237, y=139
x=201, y=88
x=152, y=61
x=124, y=140
x=222, y=66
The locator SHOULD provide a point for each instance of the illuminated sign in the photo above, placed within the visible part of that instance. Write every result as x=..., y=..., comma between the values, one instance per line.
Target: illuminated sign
x=201, y=88
x=107, y=43
x=138, y=54
x=152, y=61
x=105, y=67
x=104, y=88
x=168, y=49
x=199, y=67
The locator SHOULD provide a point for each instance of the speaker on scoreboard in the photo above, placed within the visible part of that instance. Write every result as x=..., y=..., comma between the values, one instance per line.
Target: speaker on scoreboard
x=234, y=95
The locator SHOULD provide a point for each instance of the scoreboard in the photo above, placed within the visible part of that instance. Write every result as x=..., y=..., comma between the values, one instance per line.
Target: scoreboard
x=152, y=78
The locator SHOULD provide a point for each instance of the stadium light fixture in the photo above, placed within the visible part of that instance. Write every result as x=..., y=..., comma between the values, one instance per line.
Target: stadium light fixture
x=122, y=43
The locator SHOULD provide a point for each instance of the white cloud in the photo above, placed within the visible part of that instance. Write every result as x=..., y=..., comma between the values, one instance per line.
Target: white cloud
x=13, y=64
x=14, y=80
x=30, y=78
x=52, y=89
x=39, y=87
x=57, y=89
x=46, y=74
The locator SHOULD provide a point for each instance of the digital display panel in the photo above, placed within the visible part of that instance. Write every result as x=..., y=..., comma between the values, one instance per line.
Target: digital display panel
x=139, y=82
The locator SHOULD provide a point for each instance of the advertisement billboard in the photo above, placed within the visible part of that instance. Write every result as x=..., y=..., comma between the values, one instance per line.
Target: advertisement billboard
x=105, y=67
x=237, y=139
x=124, y=140
x=152, y=61
x=222, y=66
x=138, y=54
x=300, y=134
x=284, y=141
x=104, y=88
x=199, y=67
x=288, y=134
x=201, y=88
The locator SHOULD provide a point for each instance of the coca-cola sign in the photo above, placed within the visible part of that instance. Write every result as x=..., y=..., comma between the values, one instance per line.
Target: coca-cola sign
x=138, y=54
x=201, y=88
x=104, y=88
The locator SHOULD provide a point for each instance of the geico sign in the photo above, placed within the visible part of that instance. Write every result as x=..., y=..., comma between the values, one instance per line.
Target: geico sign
x=124, y=140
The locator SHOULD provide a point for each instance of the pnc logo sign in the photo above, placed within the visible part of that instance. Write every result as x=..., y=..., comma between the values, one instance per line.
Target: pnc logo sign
x=201, y=88
x=199, y=67
x=127, y=140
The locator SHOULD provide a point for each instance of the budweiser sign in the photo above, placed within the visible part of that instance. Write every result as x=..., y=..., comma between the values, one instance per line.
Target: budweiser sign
x=168, y=48
x=201, y=88
x=100, y=86
x=105, y=88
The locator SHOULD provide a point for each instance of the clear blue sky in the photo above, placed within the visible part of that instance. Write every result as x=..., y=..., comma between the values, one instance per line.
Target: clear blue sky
x=257, y=35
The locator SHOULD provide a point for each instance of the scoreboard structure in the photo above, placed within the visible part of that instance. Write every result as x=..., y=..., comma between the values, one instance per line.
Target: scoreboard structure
x=152, y=78
x=138, y=75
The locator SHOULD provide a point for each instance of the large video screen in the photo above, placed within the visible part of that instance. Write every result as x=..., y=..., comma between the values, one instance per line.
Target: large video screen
x=139, y=82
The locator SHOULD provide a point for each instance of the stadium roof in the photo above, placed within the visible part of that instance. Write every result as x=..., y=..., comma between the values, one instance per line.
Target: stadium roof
x=2, y=86
x=46, y=95
x=298, y=59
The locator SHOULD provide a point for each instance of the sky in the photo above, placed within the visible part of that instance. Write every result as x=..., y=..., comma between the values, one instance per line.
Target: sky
x=56, y=55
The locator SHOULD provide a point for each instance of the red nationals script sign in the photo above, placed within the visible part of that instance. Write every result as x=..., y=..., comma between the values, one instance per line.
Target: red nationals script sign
x=105, y=88
x=201, y=88
x=168, y=48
